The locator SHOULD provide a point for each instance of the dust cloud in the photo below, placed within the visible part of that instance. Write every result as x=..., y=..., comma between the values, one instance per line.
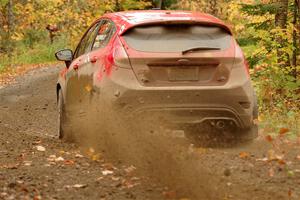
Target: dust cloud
x=141, y=141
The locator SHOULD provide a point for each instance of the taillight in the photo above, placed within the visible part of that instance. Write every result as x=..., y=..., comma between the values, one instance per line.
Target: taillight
x=118, y=56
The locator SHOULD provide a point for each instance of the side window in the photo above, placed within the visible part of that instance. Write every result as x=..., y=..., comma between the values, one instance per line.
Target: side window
x=87, y=41
x=104, y=34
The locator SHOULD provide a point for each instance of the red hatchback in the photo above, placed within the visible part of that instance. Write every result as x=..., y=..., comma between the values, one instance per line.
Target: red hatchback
x=184, y=69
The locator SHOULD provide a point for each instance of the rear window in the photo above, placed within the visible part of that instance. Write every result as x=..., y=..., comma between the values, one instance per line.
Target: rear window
x=176, y=38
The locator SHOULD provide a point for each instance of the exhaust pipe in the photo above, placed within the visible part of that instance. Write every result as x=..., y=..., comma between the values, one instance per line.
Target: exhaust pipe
x=220, y=125
x=223, y=124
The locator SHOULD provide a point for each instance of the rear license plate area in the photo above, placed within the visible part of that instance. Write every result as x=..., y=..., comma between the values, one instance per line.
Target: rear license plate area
x=183, y=73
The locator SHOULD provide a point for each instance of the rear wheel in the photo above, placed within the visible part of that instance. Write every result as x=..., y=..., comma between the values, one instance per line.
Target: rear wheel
x=63, y=132
x=249, y=134
x=60, y=107
x=252, y=132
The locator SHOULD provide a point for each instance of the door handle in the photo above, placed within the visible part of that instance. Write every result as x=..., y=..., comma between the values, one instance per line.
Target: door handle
x=94, y=59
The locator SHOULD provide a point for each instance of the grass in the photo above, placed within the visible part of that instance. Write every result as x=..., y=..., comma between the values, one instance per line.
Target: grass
x=41, y=52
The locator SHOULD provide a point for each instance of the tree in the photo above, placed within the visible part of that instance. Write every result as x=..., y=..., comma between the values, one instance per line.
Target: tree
x=7, y=26
x=295, y=35
x=117, y=6
x=281, y=23
x=159, y=4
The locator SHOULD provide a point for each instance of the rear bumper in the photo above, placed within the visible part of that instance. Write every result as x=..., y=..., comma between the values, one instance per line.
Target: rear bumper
x=179, y=105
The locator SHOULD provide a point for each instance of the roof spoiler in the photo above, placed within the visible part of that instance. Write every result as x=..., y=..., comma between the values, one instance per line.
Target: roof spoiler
x=223, y=26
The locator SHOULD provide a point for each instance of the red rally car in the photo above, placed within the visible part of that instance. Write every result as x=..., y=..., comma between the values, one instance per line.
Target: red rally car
x=184, y=68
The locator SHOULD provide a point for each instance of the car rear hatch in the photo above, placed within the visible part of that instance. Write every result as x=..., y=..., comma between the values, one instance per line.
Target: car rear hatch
x=180, y=54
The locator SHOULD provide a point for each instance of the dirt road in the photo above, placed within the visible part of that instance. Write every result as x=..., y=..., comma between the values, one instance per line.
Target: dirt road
x=34, y=164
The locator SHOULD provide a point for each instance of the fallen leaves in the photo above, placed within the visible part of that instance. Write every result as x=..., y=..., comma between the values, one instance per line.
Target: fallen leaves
x=69, y=162
x=79, y=185
x=88, y=88
x=169, y=194
x=130, y=183
x=107, y=169
x=27, y=163
x=8, y=76
x=283, y=131
x=290, y=193
x=53, y=158
x=40, y=148
x=279, y=154
x=130, y=169
x=107, y=172
x=269, y=138
x=77, y=155
x=108, y=166
x=243, y=155
x=76, y=186
x=36, y=142
x=121, y=180
x=273, y=156
x=271, y=172
x=59, y=159
x=93, y=155
x=11, y=166
x=197, y=150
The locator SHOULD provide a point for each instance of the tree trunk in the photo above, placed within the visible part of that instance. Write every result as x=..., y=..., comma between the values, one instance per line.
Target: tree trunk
x=10, y=24
x=295, y=20
x=117, y=6
x=296, y=34
x=281, y=23
x=159, y=4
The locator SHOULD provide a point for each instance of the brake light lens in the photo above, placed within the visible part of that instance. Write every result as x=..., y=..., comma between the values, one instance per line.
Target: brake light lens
x=118, y=56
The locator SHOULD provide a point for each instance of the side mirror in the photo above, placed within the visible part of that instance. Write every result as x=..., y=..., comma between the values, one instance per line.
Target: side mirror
x=65, y=55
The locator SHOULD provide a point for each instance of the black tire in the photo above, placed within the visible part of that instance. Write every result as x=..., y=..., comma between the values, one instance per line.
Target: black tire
x=251, y=133
x=60, y=107
x=65, y=131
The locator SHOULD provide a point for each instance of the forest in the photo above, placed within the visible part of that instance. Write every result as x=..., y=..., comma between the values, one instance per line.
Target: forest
x=267, y=30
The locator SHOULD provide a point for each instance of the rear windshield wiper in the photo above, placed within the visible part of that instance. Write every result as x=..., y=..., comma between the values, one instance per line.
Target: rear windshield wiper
x=199, y=49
